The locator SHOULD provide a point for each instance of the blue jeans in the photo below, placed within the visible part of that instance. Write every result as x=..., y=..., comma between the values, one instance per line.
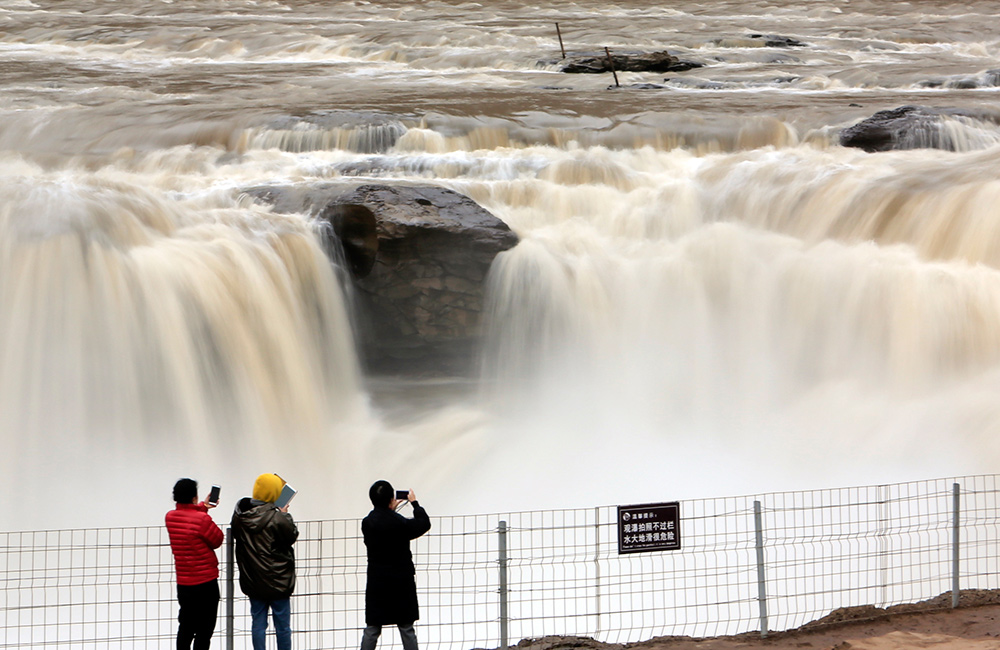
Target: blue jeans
x=281, y=613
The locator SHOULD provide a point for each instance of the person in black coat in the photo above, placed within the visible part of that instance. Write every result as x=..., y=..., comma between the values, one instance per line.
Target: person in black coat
x=391, y=592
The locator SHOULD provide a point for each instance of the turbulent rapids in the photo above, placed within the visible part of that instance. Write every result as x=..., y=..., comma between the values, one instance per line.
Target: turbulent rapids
x=710, y=295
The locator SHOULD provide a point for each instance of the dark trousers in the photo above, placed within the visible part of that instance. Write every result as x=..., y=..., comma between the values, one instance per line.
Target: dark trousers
x=369, y=638
x=196, y=620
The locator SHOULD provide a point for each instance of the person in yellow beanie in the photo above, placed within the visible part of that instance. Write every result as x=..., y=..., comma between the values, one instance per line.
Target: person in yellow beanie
x=264, y=537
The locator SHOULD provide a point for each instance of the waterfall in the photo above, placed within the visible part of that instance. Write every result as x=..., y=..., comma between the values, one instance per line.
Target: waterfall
x=734, y=311
x=139, y=329
x=710, y=294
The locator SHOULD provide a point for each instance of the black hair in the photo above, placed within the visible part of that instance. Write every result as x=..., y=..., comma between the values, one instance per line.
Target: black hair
x=185, y=490
x=381, y=494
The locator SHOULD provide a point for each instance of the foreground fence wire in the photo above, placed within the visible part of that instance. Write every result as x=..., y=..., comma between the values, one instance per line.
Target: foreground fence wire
x=764, y=563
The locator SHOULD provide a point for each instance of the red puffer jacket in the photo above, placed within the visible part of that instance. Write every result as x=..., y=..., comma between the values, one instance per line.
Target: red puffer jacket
x=193, y=539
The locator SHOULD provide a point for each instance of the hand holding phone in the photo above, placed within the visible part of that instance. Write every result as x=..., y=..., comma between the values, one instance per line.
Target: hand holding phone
x=213, y=496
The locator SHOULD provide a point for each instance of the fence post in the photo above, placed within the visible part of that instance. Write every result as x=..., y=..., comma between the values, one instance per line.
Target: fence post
x=883, y=498
x=955, y=552
x=504, y=619
x=761, y=586
x=230, y=595
x=597, y=566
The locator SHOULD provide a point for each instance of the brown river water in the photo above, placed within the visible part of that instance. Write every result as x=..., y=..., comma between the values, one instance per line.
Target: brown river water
x=711, y=296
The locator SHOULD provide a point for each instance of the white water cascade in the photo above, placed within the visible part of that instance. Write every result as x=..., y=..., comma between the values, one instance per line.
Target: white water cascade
x=141, y=335
x=667, y=326
x=710, y=296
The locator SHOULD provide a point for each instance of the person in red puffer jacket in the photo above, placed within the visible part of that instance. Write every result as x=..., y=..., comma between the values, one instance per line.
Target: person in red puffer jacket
x=193, y=540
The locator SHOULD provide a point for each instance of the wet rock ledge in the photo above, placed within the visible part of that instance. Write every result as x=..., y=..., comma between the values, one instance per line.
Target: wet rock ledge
x=915, y=127
x=418, y=257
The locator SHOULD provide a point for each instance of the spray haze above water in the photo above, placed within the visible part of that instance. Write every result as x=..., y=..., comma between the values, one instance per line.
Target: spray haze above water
x=710, y=295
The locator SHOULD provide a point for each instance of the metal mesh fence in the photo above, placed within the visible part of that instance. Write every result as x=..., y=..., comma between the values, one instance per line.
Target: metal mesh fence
x=486, y=580
x=86, y=588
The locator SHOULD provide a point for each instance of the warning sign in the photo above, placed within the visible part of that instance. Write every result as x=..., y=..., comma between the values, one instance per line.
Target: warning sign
x=649, y=527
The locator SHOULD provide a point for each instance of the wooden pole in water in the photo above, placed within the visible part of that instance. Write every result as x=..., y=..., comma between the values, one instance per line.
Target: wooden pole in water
x=612, y=64
x=559, y=34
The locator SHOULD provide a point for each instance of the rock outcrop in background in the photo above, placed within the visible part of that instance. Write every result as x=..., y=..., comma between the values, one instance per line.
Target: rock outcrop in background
x=916, y=127
x=597, y=63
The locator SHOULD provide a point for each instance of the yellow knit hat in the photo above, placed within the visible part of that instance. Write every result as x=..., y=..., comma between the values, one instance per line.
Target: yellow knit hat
x=267, y=487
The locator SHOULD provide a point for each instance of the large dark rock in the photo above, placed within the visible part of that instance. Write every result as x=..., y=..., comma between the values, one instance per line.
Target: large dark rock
x=418, y=256
x=909, y=127
x=638, y=62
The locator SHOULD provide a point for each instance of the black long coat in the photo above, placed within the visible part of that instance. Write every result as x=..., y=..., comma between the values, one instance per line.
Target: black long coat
x=391, y=592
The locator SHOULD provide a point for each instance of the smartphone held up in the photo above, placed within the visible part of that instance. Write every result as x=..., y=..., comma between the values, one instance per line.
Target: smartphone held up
x=213, y=496
x=287, y=492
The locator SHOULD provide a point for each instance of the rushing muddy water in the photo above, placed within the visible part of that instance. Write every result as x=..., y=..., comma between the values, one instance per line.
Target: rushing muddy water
x=711, y=296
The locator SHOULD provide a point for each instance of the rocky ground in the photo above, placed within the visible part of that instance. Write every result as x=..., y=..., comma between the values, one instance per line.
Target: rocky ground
x=974, y=625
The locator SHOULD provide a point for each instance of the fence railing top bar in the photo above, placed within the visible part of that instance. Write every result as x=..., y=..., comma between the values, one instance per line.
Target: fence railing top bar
x=813, y=507
x=83, y=531
x=767, y=500
x=946, y=483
